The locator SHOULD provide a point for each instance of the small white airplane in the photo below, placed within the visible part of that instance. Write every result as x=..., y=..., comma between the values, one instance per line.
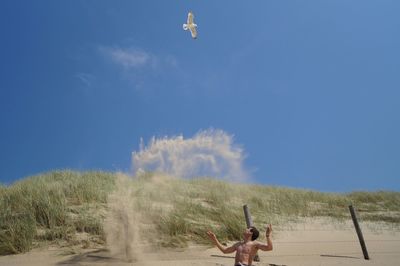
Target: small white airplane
x=190, y=25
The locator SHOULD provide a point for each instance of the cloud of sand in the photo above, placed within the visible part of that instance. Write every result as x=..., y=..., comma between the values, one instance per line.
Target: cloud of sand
x=122, y=222
x=210, y=153
x=129, y=226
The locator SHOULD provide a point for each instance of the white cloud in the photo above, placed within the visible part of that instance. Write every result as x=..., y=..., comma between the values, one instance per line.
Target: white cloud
x=143, y=69
x=86, y=78
x=209, y=153
x=135, y=58
x=129, y=57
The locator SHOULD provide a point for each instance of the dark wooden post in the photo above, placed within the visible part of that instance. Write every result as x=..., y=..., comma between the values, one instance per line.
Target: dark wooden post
x=247, y=216
x=249, y=223
x=359, y=233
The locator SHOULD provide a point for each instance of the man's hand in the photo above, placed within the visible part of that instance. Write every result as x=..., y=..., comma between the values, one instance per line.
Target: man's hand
x=224, y=249
x=212, y=236
x=268, y=230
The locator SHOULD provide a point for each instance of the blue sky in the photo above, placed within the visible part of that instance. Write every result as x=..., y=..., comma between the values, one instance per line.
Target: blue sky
x=309, y=89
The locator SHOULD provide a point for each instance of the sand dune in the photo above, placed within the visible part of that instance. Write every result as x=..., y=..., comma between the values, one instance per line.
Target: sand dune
x=311, y=243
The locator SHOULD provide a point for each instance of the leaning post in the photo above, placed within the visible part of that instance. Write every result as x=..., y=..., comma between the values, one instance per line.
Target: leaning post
x=249, y=223
x=247, y=216
x=359, y=233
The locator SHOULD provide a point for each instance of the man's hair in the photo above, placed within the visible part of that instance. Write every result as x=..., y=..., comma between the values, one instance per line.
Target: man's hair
x=255, y=232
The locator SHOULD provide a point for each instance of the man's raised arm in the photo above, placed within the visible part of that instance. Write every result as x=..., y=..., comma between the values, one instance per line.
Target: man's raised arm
x=268, y=246
x=224, y=249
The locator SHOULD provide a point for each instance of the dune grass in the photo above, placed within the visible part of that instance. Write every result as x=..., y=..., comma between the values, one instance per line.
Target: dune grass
x=58, y=206
x=50, y=207
x=186, y=209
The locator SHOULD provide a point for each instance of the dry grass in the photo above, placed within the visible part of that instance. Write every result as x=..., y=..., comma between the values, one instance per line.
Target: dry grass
x=183, y=210
x=59, y=206
x=52, y=207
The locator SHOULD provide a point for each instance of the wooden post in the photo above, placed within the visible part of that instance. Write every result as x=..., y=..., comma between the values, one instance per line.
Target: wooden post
x=249, y=223
x=359, y=233
x=247, y=216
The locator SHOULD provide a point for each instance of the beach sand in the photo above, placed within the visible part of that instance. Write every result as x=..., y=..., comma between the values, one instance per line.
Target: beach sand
x=313, y=242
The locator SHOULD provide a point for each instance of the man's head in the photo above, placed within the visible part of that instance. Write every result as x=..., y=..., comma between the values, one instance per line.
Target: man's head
x=253, y=232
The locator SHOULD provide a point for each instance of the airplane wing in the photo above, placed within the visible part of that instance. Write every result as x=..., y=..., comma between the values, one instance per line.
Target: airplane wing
x=190, y=18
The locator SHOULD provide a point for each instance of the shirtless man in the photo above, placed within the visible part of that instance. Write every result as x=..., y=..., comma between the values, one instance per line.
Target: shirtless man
x=247, y=248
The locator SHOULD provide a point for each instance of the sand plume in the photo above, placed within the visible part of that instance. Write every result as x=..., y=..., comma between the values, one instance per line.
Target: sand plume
x=122, y=223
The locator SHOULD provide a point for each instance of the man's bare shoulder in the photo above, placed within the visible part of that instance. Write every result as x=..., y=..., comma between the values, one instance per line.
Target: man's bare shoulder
x=250, y=243
x=237, y=244
x=262, y=246
x=257, y=243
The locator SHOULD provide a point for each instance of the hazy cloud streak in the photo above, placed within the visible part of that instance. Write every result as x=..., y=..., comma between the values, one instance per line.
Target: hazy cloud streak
x=129, y=57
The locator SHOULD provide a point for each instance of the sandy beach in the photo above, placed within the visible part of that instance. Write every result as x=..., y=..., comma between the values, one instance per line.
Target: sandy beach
x=311, y=243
